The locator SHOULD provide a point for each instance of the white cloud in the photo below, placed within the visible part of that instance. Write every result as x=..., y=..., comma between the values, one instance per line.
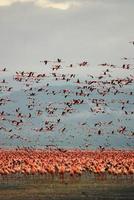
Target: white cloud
x=5, y=2
x=62, y=5
x=58, y=5
x=10, y=2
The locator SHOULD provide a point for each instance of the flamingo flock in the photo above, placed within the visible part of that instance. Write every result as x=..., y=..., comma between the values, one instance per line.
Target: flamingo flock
x=68, y=105
x=61, y=162
x=98, y=95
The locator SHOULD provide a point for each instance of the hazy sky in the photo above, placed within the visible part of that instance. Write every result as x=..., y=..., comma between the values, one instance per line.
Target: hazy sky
x=96, y=30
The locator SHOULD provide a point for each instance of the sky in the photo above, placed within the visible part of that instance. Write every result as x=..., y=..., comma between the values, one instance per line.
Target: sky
x=74, y=30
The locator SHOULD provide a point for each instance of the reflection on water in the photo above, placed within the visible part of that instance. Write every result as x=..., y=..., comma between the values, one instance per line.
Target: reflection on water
x=71, y=188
